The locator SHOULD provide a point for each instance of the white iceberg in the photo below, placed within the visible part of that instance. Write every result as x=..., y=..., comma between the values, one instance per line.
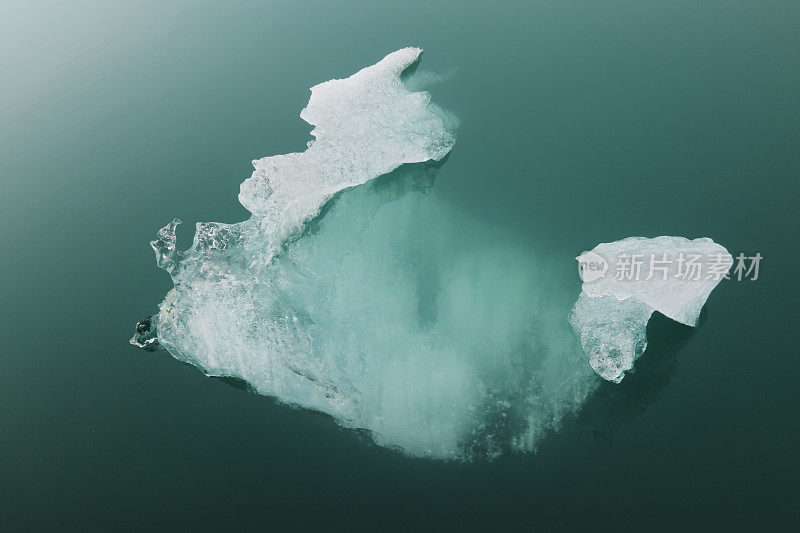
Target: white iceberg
x=364, y=126
x=367, y=299
x=626, y=281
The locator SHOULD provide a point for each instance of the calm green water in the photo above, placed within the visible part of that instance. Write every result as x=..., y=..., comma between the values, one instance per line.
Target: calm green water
x=581, y=123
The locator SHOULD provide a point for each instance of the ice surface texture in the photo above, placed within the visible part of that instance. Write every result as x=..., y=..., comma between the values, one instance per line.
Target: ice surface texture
x=365, y=126
x=612, y=311
x=369, y=299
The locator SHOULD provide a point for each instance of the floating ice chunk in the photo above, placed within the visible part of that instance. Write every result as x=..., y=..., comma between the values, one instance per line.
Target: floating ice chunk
x=365, y=126
x=625, y=281
x=371, y=301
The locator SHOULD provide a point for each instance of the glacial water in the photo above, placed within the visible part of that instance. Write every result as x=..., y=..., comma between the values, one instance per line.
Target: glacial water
x=578, y=125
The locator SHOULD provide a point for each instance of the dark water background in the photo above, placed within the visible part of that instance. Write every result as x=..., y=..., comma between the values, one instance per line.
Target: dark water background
x=582, y=122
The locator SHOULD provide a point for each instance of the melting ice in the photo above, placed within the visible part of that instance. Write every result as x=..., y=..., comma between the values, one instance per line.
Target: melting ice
x=354, y=291
x=612, y=311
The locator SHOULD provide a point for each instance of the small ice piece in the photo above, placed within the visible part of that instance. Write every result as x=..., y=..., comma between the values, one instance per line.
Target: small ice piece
x=625, y=281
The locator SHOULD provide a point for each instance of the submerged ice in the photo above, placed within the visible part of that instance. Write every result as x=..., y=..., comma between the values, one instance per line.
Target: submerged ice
x=626, y=281
x=352, y=290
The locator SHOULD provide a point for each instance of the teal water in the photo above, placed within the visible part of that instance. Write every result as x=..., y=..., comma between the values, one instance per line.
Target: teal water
x=580, y=124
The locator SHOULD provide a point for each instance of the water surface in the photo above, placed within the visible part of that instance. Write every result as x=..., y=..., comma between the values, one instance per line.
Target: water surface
x=580, y=124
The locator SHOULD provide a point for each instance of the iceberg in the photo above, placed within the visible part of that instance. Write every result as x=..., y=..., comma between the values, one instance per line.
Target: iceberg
x=353, y=291
x=625, y=281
